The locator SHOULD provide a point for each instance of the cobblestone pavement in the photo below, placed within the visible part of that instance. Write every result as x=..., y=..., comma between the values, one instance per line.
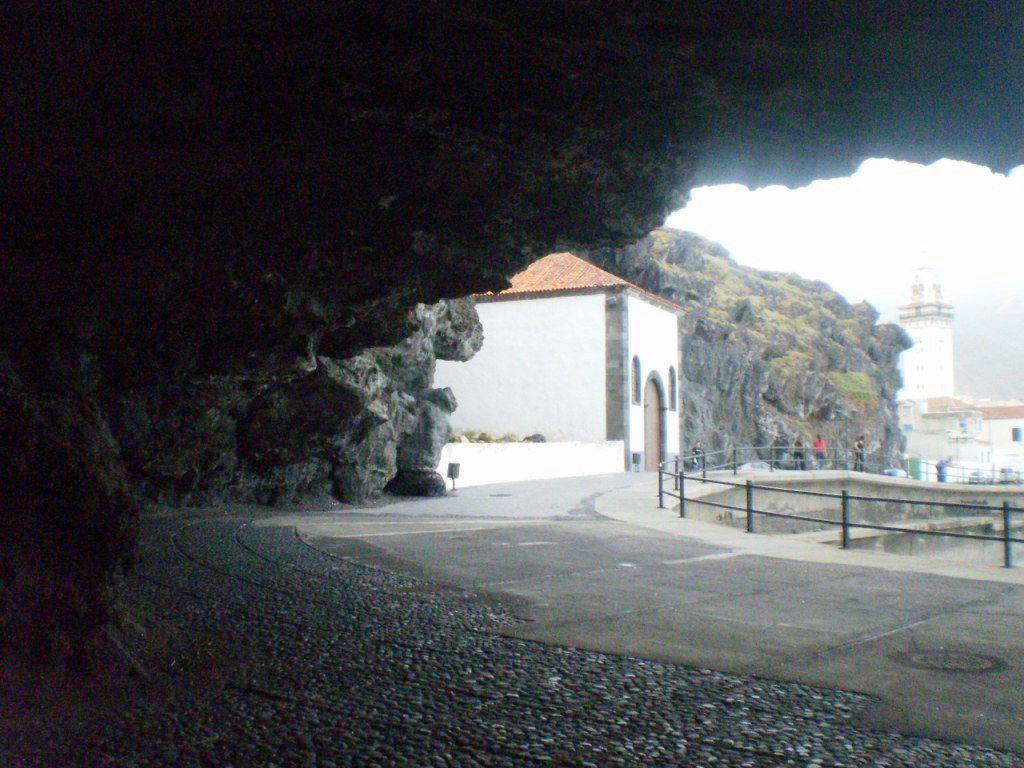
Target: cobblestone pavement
x=351, y=665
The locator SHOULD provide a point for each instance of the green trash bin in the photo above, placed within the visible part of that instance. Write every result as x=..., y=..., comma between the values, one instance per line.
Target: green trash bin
x=914, y=468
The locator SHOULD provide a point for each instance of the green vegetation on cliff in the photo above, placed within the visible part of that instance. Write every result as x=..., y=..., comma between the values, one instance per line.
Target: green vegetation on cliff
x=855, y=386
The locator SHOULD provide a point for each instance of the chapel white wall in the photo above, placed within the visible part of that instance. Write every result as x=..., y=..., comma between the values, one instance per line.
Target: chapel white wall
x=541, y=369
x=654, y=338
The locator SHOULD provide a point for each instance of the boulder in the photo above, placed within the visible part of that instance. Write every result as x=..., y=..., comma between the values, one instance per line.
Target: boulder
x=420, y=450
x=418, y=483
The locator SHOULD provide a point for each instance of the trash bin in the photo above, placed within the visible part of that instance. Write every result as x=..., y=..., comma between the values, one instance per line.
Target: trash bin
x=914, y=468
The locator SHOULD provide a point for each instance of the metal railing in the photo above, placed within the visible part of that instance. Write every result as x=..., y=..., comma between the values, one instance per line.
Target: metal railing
x=975, y=473
x=679, y=475
x=776, y=457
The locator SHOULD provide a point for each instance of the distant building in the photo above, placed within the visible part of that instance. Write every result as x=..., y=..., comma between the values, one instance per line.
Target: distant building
x=944, y=427
x=575, y=354
x=927, y=367
x=1003, y=427
x=935, y=423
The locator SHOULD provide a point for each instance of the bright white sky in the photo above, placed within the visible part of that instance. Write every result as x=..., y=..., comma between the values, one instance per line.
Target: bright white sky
x=865, y=234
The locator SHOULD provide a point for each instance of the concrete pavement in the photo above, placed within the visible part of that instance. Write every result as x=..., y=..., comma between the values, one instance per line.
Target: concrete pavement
x=593, y=563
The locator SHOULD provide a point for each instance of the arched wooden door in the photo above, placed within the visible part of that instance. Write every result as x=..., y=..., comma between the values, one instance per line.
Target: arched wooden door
x=654, y=414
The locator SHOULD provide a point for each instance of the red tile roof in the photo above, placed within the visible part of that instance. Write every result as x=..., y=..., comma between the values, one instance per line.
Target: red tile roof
x=566, y=272
x=561, y=272
x=1002, y=411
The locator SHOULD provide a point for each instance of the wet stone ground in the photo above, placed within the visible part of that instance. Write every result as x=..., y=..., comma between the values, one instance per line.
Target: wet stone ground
x=349, y=665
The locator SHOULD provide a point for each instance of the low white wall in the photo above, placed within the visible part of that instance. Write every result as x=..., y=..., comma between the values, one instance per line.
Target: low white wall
x=484, y=463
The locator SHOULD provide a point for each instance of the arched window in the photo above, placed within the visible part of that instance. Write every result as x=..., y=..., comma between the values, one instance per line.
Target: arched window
x=635, y=380
x=671, y=388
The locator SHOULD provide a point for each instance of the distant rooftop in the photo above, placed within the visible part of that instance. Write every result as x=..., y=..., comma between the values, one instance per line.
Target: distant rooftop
x=1002, y=411
x=567, y=272
x=936, y=405
x=947, y=404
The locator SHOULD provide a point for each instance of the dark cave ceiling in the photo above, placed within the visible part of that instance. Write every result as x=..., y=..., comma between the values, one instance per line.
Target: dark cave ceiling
x=159, y=158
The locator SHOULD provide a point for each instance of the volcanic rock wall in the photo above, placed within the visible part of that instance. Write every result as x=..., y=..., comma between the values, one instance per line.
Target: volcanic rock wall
x=317, y=428
x=768, y=356
x=77, y=465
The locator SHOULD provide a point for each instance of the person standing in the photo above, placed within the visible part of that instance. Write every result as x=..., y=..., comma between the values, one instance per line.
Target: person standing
x=798, y=453
x=940, y=470
x=819, y=451
x=858, y=454
x=697, y=456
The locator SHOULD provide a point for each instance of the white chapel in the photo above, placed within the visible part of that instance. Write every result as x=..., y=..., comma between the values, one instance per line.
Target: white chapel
x=575, y=354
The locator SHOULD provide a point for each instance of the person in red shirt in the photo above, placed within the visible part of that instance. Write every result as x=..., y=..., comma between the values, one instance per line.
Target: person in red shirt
x=819, y=451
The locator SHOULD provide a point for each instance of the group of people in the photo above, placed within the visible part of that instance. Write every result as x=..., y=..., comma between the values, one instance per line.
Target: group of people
x=799, y=452
x=821, y=452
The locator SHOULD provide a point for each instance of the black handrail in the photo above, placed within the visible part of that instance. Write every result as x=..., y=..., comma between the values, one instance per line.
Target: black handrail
x=783, y=457
x=679, y=477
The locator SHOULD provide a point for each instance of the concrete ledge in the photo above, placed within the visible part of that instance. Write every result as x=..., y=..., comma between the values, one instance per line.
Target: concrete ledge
x=487, y=463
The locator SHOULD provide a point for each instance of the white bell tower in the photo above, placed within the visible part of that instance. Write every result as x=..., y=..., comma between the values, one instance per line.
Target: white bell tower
x=927, y=367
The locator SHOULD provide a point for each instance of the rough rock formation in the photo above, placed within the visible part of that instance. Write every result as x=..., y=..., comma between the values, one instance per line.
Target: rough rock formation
x=74, y=473
x=420, y=452
x=768, y=356
x=450, y=330
x=320, y=427
x=213, y=214
x=67, y=526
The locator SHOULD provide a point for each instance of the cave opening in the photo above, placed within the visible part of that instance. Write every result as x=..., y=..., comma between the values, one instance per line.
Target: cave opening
x=236, y=242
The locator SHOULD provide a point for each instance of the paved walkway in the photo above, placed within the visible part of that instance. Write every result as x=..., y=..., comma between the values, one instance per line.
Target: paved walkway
x=614, y=573
x=867, y=621
x=308, y=654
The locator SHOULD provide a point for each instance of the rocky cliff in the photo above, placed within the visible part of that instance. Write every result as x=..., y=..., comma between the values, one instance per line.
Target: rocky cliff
x=767, y=356
x=76, y=468
x=319, y=427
